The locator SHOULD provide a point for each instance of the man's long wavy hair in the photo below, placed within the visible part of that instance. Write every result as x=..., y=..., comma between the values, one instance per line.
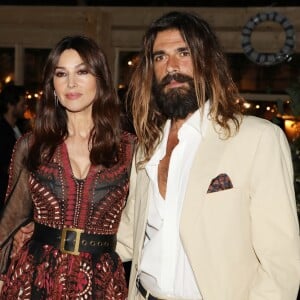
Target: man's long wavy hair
x=51, y=123
x=212, y=79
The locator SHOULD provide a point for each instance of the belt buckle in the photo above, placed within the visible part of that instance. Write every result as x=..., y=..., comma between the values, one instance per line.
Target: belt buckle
x=78, y=232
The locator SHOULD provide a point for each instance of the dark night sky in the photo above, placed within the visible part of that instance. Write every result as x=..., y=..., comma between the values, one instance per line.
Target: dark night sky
x=181, y=3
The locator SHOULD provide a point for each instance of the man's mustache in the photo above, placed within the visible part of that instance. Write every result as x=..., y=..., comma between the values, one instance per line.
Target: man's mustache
x=175, y=76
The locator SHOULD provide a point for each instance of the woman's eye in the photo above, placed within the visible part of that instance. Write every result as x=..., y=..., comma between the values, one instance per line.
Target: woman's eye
x=83, y=72
x=60, y=74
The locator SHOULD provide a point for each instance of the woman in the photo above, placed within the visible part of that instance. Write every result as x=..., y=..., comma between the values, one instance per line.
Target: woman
x=70, y=175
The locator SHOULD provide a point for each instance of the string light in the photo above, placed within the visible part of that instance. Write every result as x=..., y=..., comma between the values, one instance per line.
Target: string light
x=8, y=79
x=247, y=105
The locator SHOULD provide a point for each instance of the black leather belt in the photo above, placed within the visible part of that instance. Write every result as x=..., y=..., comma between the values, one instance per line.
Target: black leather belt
x=146, y=294
x=74, y=240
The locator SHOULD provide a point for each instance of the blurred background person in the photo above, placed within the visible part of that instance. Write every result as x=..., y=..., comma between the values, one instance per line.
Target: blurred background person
x=126, y=116
x=12, y=108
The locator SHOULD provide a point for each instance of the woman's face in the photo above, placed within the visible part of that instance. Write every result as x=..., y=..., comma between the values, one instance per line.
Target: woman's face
x=74, y=85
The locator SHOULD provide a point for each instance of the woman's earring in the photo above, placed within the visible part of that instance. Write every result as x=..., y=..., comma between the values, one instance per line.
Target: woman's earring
x=55, y=99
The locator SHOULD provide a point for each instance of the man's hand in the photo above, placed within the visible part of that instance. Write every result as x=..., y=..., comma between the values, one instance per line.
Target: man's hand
x=22, y=235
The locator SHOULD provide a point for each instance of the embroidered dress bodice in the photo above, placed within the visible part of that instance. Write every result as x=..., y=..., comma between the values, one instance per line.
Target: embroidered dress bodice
x=93, y=204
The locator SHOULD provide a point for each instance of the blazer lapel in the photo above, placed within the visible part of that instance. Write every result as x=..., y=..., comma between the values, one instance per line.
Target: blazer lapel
x=204, y=168
x=141, y=208
x=192, y=235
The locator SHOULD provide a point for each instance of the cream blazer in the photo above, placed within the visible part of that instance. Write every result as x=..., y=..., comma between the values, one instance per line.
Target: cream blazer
x=243, y=242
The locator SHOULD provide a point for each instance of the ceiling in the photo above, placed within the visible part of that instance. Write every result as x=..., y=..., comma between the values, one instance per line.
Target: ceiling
x=181, y=3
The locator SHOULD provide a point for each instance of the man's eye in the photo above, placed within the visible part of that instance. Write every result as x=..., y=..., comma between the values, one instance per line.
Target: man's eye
x=158, y=57
x=185, y=53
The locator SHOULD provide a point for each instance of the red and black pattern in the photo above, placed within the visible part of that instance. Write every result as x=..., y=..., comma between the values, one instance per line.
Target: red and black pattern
x=95, y=205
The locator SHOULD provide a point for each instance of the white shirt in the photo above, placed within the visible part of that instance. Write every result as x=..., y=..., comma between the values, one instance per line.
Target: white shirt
x=17, y=131
x=165, y=269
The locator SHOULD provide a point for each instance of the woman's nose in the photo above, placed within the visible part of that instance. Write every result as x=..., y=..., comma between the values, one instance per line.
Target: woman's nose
x=71, y=81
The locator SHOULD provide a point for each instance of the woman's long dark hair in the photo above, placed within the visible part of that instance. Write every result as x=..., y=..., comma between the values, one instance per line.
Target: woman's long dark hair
x=51, y=128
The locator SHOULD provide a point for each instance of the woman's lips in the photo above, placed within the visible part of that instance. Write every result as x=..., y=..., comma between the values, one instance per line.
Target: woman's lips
x=73, y=96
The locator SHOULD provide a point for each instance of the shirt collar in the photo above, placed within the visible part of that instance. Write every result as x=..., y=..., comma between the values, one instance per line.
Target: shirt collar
x=195, y=121
x=198, y=121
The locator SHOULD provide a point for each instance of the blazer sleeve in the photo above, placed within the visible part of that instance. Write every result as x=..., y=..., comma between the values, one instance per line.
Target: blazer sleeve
x=275, y=228
x=18, y=205
x=125, y=231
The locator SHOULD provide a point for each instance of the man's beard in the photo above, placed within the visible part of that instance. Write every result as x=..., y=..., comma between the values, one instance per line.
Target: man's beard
x=176, y=103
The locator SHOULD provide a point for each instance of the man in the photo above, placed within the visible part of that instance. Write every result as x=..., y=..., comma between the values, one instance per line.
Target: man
x=211, y=213
x=12, y=108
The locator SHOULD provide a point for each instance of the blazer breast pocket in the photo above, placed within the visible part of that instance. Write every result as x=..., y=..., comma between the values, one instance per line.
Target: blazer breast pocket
x=221, y=182
x=227, y=208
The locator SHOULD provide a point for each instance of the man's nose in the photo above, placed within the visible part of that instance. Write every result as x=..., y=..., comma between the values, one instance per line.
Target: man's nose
x=172, y=65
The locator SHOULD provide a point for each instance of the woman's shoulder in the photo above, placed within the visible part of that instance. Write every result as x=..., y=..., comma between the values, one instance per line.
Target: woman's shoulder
x=24, y=141
x=128, y=137
x=21, y=148
x=128, y=143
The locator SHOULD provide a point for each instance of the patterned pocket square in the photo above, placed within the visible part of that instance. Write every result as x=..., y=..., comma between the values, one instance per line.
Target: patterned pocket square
x=220, y=183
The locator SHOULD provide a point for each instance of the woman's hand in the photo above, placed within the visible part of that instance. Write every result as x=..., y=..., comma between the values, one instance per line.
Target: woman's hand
x=22, y=235
x=1, y=285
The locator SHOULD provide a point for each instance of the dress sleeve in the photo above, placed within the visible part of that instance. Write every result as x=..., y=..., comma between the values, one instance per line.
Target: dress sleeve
x=18, y=205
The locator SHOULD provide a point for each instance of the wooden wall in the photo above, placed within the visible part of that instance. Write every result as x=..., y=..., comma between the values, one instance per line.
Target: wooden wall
x=121, y=28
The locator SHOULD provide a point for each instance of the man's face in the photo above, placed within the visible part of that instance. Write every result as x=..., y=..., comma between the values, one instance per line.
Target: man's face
x=173, y=88
x=19, y=108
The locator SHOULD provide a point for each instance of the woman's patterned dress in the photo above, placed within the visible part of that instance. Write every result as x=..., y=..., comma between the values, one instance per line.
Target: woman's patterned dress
x=60, y=200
